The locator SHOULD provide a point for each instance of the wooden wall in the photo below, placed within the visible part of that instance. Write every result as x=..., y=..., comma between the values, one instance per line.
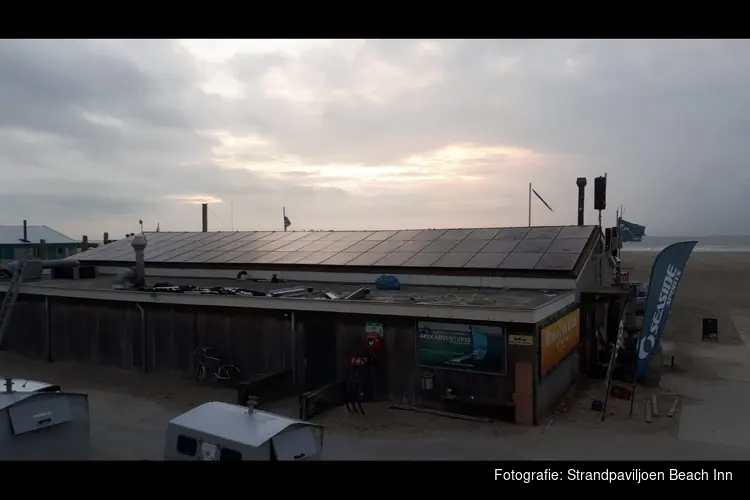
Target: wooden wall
x=398, y=376
x=112, y=333
x=258, y=341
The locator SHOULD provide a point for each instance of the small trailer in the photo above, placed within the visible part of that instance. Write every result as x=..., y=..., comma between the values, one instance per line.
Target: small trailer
x=38, y=421
x=222, y=431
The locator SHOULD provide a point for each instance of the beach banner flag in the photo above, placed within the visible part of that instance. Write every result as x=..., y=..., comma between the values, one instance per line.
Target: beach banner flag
x=665, y=276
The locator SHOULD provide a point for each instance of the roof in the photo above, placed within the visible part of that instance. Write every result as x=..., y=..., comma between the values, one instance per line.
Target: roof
x=22, y=389
x=492, y=298
x=12, y=235
x=232, y=422
x=465, y=304
x=557, y=248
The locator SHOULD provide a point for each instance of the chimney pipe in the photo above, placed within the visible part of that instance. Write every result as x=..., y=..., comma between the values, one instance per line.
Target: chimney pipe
x=139, y=245
x=25, y=232
x=106, y=238
x=8, y=385
x=204, y=210
x=84, y=243
x=581, y=183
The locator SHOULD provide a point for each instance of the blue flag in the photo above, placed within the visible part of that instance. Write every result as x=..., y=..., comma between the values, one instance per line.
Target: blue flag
x=665, y=276
x=631, y=231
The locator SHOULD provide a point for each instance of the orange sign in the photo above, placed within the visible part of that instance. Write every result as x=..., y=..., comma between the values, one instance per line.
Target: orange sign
x=558, y=339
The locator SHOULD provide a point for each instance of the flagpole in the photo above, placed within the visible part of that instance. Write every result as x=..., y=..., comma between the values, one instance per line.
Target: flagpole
x=529, y=204
x=283, y=221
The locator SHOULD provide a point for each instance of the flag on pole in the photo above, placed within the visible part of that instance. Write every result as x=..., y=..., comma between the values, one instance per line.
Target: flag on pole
x=287, y=222
x=542, y=200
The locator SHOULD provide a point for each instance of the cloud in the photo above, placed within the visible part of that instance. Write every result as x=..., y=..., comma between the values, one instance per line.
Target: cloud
x=95, y=135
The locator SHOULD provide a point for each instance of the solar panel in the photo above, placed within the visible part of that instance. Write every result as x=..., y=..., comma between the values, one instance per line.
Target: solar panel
x=273, y=236
x=341, y=259
x=557, y=262
x=206, y=256
x=455, y=234
x=395, y=259
x=290, y=237
x=315, y=235
x=469, y=246
x=358, y=236
x=413, y=246
x=520, y=260
x=295, y=245
x=339, y=246
x=230, y=237
x=453, y=260
x=486, y=260
x=576, y=232
x=125, y=254
x=548, y=233
x=225, y=257
x=336, y=236
x=569, y=245
x=315, y=246
x=483, y=234
x=423, y=259
x=538, y=245
x=499, y=246
x=440, y=246
x=380, y=235
x=292, y=257
x=316, y=257
x=366, y=259
x=407, y=234
x=183, y=257
x=266, y=258
x=512, y=233
x=387, y=246
x=247, y=257
x=362, y=246
x=271, y=246
x=237, y=244
x=176, y=252
x=429, y=235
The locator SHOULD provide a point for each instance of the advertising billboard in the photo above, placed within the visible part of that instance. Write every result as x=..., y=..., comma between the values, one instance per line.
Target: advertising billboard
x=558, y=339
x=465, y=347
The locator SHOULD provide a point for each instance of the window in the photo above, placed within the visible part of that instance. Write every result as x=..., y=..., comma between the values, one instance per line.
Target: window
x=186, y=446
x=231, y=455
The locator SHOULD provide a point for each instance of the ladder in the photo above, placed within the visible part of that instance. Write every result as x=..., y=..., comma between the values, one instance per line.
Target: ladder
x=9, y=301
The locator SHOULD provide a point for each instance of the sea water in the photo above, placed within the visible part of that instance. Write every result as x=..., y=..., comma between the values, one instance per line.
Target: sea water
x=705, y=243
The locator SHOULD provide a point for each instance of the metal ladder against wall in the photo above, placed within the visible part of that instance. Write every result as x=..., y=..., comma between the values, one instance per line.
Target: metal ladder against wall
x=9, y=301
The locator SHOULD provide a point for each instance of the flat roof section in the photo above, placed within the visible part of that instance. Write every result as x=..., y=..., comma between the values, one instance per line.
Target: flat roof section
x=518, y=306
x=512, y=249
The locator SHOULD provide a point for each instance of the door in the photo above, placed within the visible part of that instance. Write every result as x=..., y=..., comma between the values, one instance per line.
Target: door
x=320, y=352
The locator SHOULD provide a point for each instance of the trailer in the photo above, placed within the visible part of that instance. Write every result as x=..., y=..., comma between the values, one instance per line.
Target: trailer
x=38, y=421
x=222, y=431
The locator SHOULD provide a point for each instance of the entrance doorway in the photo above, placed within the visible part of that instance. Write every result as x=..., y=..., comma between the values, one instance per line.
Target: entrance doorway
x=320, y=352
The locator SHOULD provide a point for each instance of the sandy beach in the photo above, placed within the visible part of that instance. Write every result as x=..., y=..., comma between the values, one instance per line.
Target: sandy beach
x=715, y=284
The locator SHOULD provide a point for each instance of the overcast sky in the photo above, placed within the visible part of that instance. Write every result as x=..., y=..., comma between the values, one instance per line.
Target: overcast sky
x=95, y=135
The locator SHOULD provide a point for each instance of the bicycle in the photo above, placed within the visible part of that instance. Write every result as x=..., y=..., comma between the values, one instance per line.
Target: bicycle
x=207, y=366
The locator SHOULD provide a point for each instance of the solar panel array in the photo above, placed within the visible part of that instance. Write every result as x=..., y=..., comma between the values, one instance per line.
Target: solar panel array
x=517, y=248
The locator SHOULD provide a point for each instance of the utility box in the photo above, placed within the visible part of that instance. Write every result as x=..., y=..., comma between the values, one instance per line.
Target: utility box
x=222, y=431
x=40, y=422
